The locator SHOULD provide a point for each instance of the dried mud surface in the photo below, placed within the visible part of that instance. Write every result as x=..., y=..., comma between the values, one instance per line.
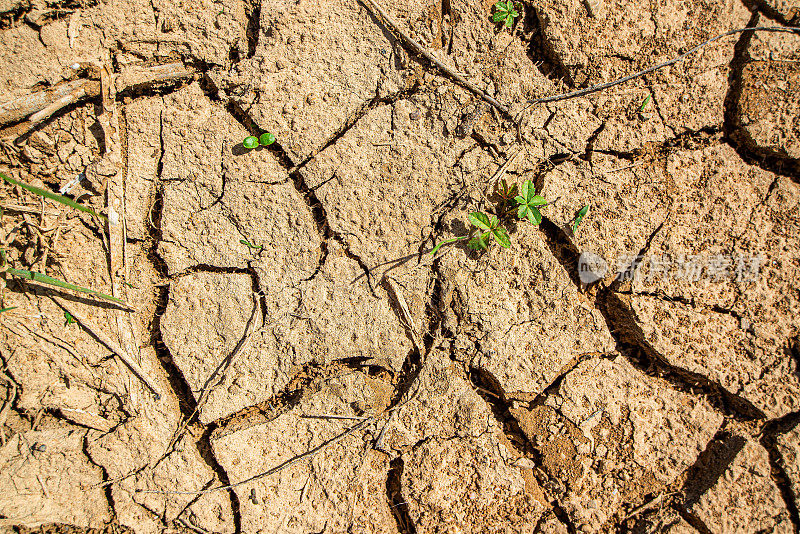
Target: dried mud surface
x=493, y=392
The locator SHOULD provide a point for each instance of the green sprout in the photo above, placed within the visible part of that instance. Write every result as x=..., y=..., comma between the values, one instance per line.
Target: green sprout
x=3, y=310
x=644, y=103
x=505, y=12
x=68, y=318
x=251, y=141
x=527, y=208
x=529, y=203
x=579, y=217
x=250, y=245
x=491, y=225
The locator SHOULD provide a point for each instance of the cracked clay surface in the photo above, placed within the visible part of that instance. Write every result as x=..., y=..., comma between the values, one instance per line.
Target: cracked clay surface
x=318, y=369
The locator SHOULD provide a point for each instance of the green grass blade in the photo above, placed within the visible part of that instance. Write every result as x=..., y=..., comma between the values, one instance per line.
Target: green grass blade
x=52, y=196
x=8, y=309
x=43, y=278
x=446, y=241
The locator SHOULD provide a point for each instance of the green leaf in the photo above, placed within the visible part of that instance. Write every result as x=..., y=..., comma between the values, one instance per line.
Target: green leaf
x=646, y=100
x=579, y=217
x=528, y=202
x=501, y=236
x=479, y=219
x=528, y=191
x=478, y=242
x=250, y=141
x=266, y=139
x=452, y=239
x=534, y=216
x=52, y=196
x=493, y=222
x=499, y=16
x=509, y=22
x=68, y=318
x=8, y=309
x=43, y=278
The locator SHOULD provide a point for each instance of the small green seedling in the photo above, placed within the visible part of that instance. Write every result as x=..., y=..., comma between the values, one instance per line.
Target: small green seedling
x=250, y=245
x=491, y=225
x=3, y=310
x=68, y=318
x=528, y=204
x=251, y=141
x=644, y=103
x=579, y=217
x=505, y=12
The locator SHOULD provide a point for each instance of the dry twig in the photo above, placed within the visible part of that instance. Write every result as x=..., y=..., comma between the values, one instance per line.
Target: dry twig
x=109, y=343
x=606, y=85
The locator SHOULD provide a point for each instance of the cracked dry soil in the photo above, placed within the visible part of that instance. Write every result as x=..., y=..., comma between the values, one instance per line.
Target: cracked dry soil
x=509, y=397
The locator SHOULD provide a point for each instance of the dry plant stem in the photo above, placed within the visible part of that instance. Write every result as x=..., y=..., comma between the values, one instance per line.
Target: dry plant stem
x=277, y=468
x=109, y=343
x=606, y=85
x=408, y=322
x=376, y=10
x=9, y=401
x=24, y=106
x=218, y=375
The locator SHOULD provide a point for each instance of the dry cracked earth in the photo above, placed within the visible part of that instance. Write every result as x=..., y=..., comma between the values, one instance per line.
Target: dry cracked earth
x=501, y=393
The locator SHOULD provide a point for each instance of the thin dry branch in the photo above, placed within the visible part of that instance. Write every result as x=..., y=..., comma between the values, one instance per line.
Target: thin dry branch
x=380, y=14
x=606, y=85
x=277, y=468
x=217, y=375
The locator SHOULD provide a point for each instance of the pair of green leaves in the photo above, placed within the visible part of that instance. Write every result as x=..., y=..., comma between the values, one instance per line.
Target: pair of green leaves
x=505, y=12
x=265, y=139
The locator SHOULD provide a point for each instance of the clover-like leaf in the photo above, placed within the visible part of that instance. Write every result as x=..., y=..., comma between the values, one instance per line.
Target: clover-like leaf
x=528, y=203
x=499, y=16
x=480, y=220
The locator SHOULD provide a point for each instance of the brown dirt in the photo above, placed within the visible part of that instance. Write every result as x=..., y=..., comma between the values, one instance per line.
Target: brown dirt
x=505, y=394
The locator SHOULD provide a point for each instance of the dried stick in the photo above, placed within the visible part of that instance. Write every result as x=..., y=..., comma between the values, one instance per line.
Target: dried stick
x=41, y=104
x=376, y=11
x=606, y=85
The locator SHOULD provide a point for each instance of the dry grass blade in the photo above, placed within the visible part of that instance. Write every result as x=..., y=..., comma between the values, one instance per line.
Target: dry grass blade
x=380, y=14
x=52, y=196
x=95, y=331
